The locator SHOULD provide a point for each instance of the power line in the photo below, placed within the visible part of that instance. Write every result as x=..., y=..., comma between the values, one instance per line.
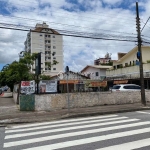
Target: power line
x=80, y=36
x=145, y=24
x=70, y=25
x=33, y=20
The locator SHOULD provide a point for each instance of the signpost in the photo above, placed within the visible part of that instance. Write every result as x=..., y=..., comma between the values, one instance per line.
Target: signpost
x=67, y=72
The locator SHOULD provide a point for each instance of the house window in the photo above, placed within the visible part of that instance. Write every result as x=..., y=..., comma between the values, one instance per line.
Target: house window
x=96, y=73
x=40, y=34
x=133, y=63
x=54, y=57
x=54, y=68
x=88, y=75
x=54, y=47
x=126, y=64
x=49, y=57
x=53, y=36
x=49, y=36
x=48, y=41
x=45, y=35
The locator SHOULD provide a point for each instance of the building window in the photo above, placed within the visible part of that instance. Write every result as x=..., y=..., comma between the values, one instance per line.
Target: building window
x=49, y=36
x=54, y=68
x=40, y=34
x=49, y=41
x=45, y=35
x=45, y=68
x=88, y=75
x=54, y=53
x=96, y=74
x=54, y=47
x=53, y=36
x=54, y=57
x=133, y=63
x=126, y=64
x=49, y=57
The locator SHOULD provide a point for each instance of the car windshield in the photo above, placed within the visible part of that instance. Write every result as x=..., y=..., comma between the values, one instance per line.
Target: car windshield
x=116, y=87
x=132, y=87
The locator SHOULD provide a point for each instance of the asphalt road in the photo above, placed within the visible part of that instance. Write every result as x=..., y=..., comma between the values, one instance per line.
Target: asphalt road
x=123, y=131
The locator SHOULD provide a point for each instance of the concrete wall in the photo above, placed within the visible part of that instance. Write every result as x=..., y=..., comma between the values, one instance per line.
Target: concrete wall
x=59, y=101
x=15, y=97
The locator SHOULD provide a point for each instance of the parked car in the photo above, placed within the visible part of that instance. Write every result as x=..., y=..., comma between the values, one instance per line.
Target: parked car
x=126, y=87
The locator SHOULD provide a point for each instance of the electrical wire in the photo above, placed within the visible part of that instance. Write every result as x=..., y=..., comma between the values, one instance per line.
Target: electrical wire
x=29, y=27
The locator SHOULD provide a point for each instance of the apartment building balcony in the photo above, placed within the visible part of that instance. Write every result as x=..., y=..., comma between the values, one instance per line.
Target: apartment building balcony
x=47, y=49
x=130, y=72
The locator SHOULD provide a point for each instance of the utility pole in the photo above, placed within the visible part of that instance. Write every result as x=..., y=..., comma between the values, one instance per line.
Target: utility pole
x=143, y=101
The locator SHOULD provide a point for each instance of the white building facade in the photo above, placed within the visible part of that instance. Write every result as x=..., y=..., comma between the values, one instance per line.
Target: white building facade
x=50, y=43
x=95, y=72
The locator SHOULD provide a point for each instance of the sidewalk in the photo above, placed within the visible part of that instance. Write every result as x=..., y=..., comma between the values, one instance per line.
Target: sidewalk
x=10, y=113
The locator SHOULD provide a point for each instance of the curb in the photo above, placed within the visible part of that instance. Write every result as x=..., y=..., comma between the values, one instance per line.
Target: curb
x=67, y=115
x=103, y=113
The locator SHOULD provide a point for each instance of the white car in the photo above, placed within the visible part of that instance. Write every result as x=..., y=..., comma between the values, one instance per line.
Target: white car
x=126, y=87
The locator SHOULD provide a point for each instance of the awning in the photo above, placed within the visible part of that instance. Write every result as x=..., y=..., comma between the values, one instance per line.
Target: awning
x=120, y=81
x=69, y=81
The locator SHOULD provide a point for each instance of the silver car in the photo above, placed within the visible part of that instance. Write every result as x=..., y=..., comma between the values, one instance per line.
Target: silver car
x=126, y=87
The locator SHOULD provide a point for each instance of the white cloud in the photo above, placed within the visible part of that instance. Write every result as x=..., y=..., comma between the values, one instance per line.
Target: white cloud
x=78, y=52
x=112, y=2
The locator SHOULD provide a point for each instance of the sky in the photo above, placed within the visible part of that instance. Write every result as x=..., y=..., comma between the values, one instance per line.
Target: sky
x=106, y=18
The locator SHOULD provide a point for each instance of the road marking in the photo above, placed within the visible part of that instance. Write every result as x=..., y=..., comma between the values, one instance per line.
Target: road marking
x=65, y=125
x=76, y=127
x=60, y=121
x=143, y=112
x=129, y=146
x=88, y=140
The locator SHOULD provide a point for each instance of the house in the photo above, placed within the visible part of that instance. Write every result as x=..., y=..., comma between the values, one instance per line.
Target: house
x=96, y=72
x=126, y=68
x=75, y=81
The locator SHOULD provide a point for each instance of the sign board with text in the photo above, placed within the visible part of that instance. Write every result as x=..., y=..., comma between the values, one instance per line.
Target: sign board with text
x=27, y=87
x=48, y=86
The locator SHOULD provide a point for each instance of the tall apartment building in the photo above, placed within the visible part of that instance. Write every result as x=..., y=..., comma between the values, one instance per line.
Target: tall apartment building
x=50, y=43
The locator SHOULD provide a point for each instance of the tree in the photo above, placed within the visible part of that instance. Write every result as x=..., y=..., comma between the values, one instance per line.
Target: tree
x=18, y=71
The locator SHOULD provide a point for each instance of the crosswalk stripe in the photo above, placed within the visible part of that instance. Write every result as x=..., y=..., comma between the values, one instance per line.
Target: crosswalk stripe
x=129, y=146
x=87, y=140
x=60, y=121
x=76, y=127
x=142, y=112
x=60, y=125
